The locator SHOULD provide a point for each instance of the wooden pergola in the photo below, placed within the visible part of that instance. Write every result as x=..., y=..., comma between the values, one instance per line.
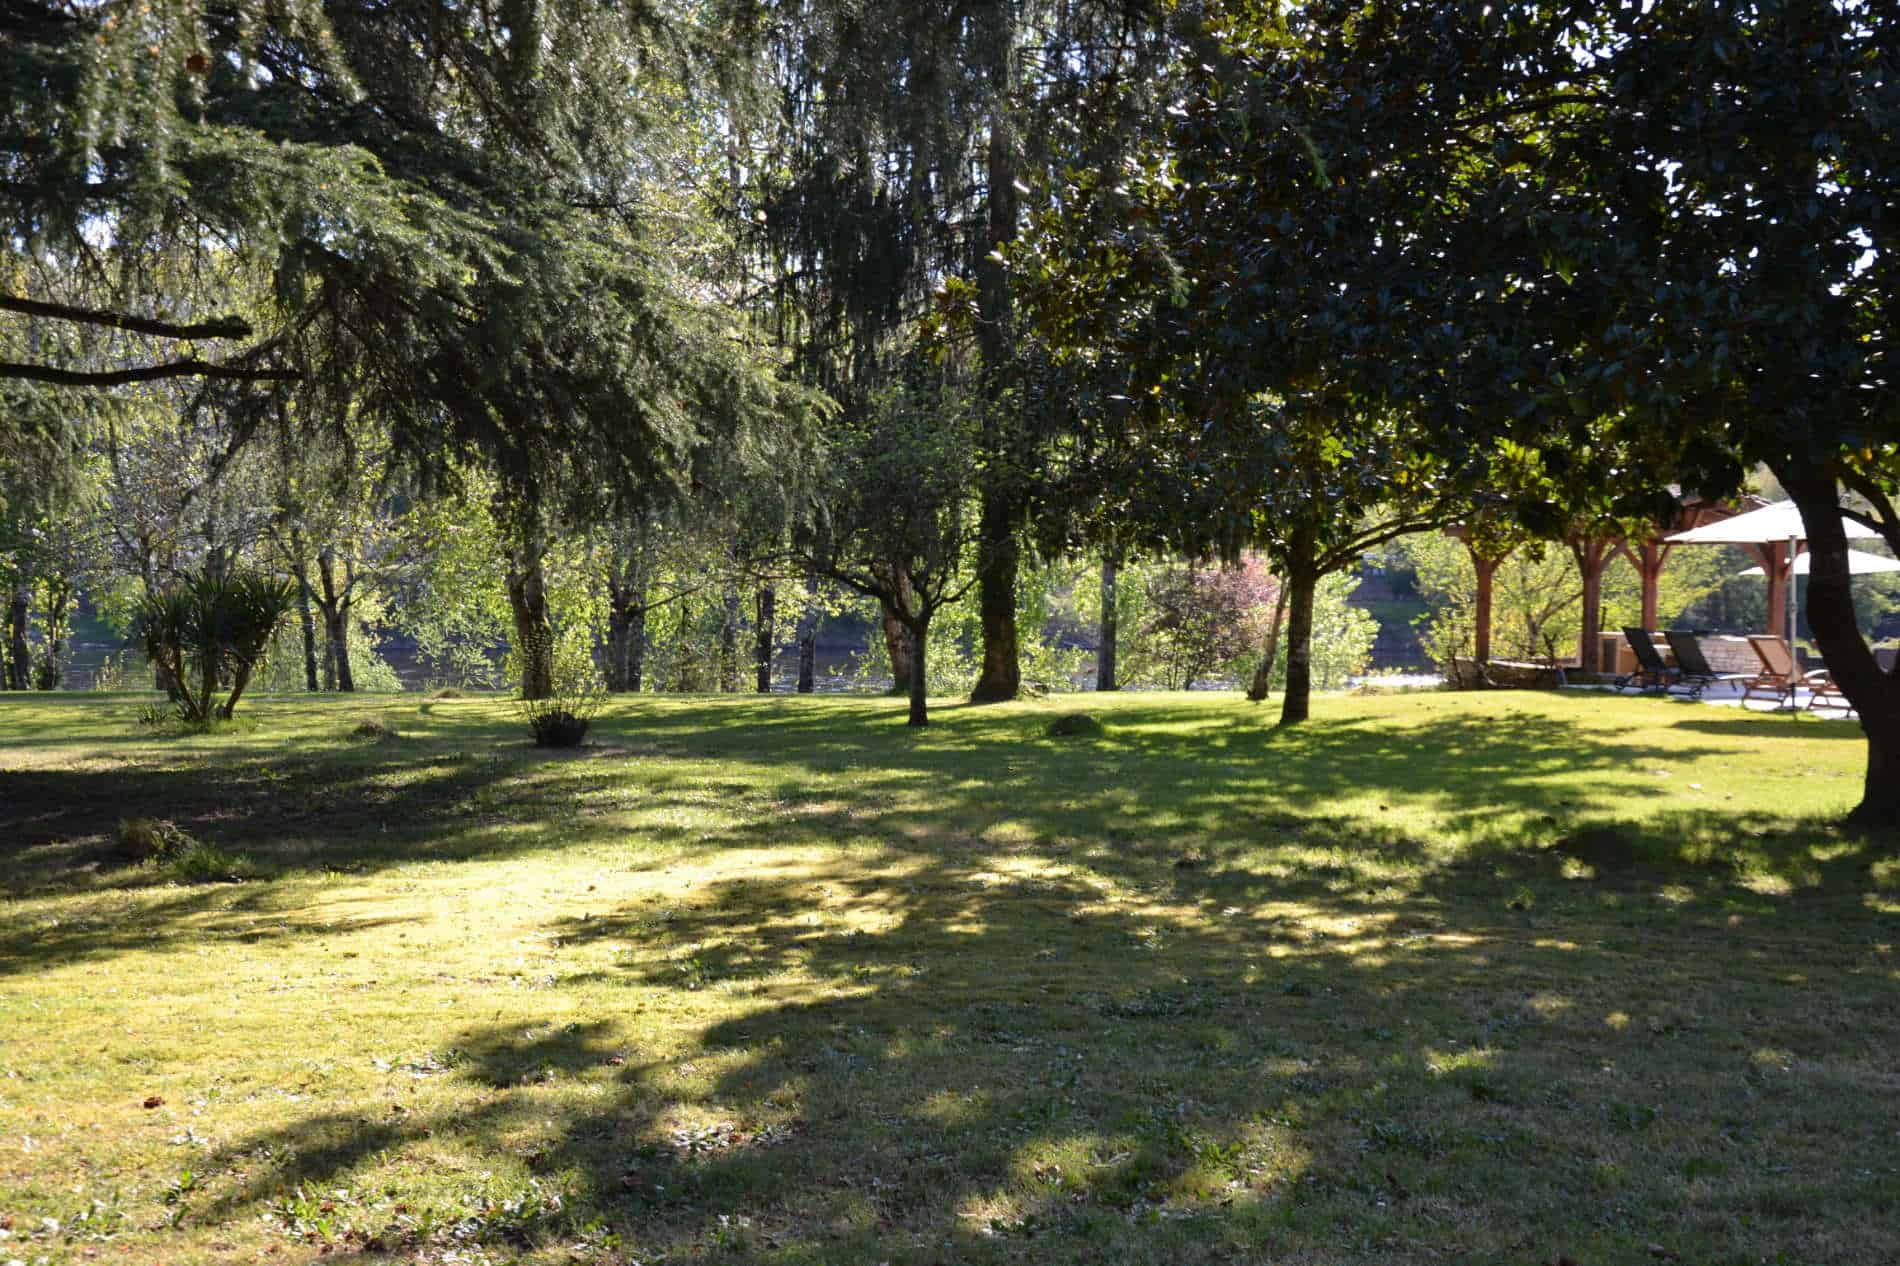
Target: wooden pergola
x=1594, y=552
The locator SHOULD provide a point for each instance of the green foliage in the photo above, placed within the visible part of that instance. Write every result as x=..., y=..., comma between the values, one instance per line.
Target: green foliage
x=1342, y=636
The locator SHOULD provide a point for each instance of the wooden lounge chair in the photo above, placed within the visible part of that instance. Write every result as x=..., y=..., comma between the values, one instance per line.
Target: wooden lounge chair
x=1829, y=697
x=1778, y=677
x=1693, y=673
x=1651, y=673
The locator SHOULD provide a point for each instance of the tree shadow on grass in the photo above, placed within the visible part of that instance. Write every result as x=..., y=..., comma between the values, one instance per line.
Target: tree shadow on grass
x=951, y=1065
x=1165, y=793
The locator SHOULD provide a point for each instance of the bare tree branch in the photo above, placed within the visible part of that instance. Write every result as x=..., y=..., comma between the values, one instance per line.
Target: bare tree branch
x=190, y=367
x=223, y=327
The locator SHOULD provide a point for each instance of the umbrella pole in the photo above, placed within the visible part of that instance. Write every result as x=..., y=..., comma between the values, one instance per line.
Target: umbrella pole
x=1794, y=652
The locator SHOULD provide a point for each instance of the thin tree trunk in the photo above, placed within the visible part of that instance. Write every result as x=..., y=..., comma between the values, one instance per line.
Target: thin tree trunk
x=808, y=637
x=897, y=643
x=637, y=648
x=1263, y=675
x=1105, y=654
x=919, y=675
x=1299, y=646
x=300, y=568
x=684, y=677
x=19, y=657
x=729, y=643
x=767, y=639
x=59, y=596
x=534, y=631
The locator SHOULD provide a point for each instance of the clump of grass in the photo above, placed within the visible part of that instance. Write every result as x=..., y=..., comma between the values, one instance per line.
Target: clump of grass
x=1076, y=725
x=151, y=840
x=449, y=692
x=203, y=863
x=374, y=730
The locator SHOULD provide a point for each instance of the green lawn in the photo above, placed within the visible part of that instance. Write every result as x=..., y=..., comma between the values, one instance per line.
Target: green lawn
x=1504, y=978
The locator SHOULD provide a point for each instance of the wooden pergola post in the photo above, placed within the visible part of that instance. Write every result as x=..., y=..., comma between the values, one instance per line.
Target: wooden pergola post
x=1648, y=560
x=1775, y=561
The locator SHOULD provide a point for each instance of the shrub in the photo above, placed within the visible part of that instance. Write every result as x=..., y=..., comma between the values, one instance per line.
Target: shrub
x=562, y=718
x=554, y=726
x=1202, y=620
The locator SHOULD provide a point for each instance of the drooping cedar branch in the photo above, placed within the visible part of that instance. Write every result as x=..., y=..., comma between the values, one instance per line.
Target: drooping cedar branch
x=189, y=367
x=222, y=327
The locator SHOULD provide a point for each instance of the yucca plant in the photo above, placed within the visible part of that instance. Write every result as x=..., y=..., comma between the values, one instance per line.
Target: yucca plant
x=209, y=629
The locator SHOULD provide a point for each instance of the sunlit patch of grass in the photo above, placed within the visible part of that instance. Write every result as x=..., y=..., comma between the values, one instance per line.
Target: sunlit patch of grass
x=1435, y=977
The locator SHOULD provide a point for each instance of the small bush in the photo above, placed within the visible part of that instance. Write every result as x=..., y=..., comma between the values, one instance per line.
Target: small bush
x=1076, y=724
x=151, y=840
x=562, y=718
x=373, y=730
x=449, y=692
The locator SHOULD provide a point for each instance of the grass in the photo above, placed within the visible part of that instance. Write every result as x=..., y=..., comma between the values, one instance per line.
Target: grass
x=1503, y=977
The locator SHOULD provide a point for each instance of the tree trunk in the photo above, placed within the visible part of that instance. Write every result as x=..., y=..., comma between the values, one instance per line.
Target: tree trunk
x=534, y=631
x=626, y=628
x=1299, y=645
x=919, y=675
x=1105, y=654
x=335, y=604
x=637, y=649
x=767, y=639
x=59, y=596
x=1263, y=675
x=19, y=657
x=619, y=622
x=897, y=643
x=808, y=638
x=301, y=570
x=1830, y=610
x=729, y=643
x=998, y=552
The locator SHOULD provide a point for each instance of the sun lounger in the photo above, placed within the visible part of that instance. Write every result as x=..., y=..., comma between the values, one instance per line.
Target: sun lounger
x=1778, y=678
x=1694, y=675
x=1651, y=672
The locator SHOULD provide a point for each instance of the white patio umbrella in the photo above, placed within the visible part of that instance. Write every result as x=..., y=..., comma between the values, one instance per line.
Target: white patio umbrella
x=1859, y=563
x=1772, y=524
